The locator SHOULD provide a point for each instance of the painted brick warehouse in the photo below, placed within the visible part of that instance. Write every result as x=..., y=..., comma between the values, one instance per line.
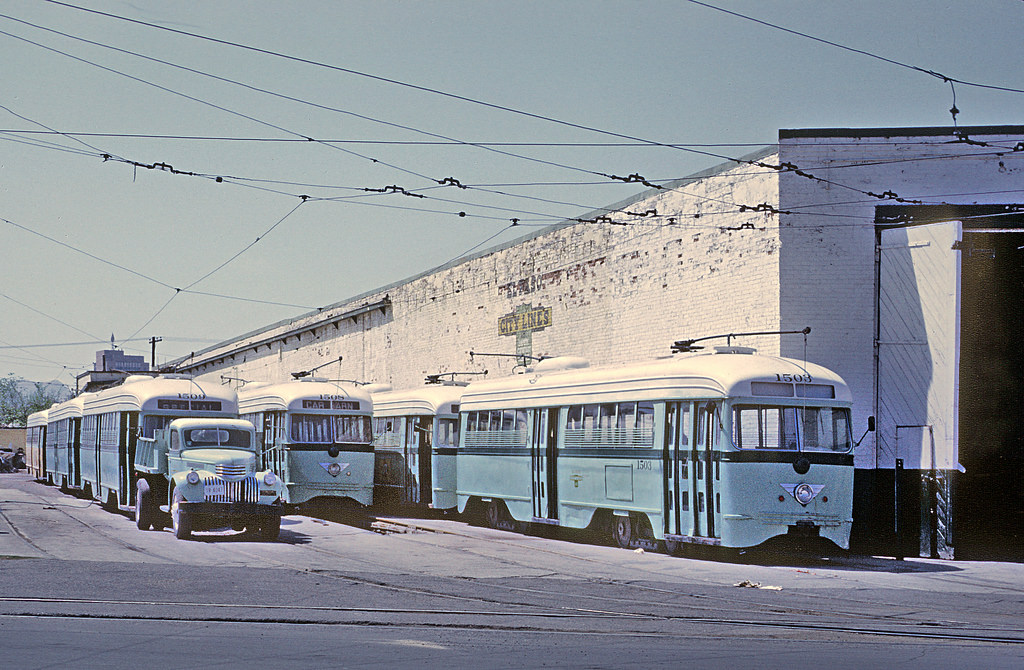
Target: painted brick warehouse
x=901, y=249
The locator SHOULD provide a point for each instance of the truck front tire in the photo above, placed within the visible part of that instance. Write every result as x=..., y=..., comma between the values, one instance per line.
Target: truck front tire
x=181, y=520
x=144, y=513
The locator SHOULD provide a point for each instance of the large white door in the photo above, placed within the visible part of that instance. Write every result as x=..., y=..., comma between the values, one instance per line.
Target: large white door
x=919, y=346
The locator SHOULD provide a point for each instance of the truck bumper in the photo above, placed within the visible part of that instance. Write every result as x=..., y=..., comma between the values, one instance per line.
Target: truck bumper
x=217, y=514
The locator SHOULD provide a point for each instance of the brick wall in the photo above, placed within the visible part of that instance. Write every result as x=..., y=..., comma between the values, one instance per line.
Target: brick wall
x=698, y=266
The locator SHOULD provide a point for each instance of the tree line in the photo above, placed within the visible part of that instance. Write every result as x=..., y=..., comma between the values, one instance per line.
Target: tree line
x=19, y=398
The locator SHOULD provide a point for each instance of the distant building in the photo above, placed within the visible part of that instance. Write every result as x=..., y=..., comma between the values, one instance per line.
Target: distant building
x=112, y=367
x=115, y=360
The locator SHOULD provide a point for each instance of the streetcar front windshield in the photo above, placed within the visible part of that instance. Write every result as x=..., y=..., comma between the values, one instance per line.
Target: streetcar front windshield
x=151, y=422
x=312, y=428
x=353, y=429
x=792, y=428
x=328, y=429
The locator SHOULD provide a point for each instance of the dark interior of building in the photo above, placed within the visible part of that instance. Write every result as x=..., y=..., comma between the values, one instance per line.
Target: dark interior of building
x=989, y=495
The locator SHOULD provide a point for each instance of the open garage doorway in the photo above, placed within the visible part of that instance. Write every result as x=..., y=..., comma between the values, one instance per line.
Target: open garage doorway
x=949, y=480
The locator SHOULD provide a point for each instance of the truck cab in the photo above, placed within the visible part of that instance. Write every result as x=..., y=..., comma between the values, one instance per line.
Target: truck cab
x=206, y=471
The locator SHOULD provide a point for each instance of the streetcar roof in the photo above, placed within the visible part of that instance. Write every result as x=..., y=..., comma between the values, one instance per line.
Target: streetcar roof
x=38, y=418
x=680, y=377
x=140, y=392
x=424, y=400
x=289, y=395
x=69, y=409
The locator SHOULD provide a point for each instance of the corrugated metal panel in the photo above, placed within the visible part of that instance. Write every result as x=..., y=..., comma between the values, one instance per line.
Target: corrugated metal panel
x=919, y=346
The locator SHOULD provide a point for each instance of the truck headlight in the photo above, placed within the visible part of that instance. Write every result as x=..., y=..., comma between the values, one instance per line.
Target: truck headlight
x=192, y=477
x=269, y=479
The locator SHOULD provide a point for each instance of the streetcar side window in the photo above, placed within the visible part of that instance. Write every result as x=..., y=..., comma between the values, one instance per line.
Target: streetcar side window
x=589, y=422
x=574, y=418
x=645, y=419
x=626, y=419
x=447, y=433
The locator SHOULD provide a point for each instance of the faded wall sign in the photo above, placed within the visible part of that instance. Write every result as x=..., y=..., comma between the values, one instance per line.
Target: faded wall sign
x=526, y=318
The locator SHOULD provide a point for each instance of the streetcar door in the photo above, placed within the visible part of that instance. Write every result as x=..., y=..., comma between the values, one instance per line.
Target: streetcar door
x=75, y=460
x=411, y=471
x=705, y=469
x=676, y=469
x=543, y=443
x=126, y=457
x=425, y=432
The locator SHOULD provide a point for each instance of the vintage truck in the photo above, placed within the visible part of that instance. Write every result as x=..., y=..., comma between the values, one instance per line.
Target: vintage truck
x=206, y=471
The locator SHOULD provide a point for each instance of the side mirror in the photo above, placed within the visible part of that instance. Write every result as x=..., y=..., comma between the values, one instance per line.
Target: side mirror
x=871, y=429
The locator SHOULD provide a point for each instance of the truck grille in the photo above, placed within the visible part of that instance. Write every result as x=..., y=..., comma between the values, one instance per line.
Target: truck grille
x=238, y=490
x=230, y=470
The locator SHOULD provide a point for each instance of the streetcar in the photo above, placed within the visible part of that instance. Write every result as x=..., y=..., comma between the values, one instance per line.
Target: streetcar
x=35, y=443
x=63, y=436
x=729, y=448
x=416, y=434
x=113, y=420
x=315, y=435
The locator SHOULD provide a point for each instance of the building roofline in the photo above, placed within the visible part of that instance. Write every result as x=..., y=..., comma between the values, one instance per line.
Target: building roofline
x=932, y=131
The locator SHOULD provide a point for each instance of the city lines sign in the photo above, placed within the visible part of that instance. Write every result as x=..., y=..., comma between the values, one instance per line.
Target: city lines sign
x=525, y=319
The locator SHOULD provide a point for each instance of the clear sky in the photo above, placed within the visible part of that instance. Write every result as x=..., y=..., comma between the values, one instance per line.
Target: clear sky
x=97, y=233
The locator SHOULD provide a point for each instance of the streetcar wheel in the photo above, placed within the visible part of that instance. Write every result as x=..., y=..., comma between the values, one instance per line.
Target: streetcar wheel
x=181, y=520
x=496, y=516
x=143, y=505
x=622, y=531
x=492, y=514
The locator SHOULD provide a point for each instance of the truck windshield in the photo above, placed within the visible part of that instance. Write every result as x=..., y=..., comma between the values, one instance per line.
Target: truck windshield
x=217, y=437
x=792, y=428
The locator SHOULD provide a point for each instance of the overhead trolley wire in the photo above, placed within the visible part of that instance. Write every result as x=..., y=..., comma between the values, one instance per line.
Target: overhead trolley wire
x=788, y=167
x=862, y=52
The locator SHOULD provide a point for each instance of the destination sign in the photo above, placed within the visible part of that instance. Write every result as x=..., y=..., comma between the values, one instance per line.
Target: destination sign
x=537, y=318
x=330, y=404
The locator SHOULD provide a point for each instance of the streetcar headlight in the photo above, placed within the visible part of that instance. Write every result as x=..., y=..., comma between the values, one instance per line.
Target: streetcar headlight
x=192, y=477
x=269, y=479
x=334, y=469
x=804, y=493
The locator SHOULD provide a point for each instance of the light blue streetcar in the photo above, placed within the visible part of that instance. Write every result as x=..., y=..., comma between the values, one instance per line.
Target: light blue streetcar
x=63, y=439
x=35, y=443
x=729, y=448
x=315, y=435
x=416, y=432
x=115, y=418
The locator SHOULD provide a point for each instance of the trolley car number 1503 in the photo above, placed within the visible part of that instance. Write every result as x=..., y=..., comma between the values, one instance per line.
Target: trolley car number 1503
x=790, y=377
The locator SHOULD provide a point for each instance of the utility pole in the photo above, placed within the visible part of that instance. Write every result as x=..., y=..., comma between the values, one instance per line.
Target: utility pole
x=152, y=343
